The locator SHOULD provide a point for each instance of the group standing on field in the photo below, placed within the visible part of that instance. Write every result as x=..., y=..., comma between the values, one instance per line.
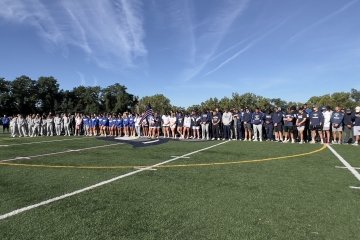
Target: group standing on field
x=294, y=125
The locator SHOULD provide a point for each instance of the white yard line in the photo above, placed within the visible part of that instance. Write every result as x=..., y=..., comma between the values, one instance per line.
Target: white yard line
x=49, y=141
x=345, y=163
x=56, y=153
x=357, y=168
x=151, y=141
x=24, y=209
x=354, y=187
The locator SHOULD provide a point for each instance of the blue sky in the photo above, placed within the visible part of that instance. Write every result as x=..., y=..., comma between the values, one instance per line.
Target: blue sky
x=188, y=50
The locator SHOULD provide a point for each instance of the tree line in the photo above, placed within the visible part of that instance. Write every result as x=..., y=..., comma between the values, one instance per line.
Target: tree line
x=25, y=95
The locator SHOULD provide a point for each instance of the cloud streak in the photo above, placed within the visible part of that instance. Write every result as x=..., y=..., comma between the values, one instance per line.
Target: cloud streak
x=109, y=32
x=323, y=20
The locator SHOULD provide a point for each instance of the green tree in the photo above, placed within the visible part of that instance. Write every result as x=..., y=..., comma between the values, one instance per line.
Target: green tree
x=7, y=105
x=48, y=94
x=116, y=99
x=87, y=99
x=158, y=102
x=24, y=94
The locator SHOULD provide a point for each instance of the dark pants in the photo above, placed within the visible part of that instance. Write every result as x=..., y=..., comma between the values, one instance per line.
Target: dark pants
x=348, y=135
x=269, y=128
x=239, y=132
x=5, y=127
x=215, y=131
x=226, y=132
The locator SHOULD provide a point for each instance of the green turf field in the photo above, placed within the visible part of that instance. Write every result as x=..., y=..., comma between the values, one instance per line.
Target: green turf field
x=208, y=190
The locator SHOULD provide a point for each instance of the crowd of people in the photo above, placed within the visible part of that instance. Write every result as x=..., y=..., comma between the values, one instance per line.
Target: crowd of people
x=294, y=125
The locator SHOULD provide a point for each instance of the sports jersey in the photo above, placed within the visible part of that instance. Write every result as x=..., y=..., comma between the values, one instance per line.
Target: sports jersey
x=277, y=118
x=316, y=118
x=301, y=117
x=257, y=118
x=268, y=119
x=337, y=118
x=289, y=119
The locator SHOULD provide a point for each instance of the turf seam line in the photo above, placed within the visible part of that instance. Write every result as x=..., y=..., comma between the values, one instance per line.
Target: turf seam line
x=24, y=209
x=345, y=163
x=48, y=141
x=56, y=153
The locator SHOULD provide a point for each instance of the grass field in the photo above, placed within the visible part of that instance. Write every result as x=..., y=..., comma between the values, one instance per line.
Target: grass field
x=208, y=190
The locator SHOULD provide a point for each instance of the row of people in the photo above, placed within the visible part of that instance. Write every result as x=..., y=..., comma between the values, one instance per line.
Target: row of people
x=303, y=124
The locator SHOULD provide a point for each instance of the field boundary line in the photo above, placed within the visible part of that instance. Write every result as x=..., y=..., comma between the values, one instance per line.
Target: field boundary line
x=345, y=163
x=48, y=141
x=24, y=209
x=167, y=166
x=56, y=153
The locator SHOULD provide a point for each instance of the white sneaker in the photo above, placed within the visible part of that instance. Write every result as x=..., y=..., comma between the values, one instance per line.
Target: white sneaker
x=301, y=142
x=260, y=140
x=293, y=141
x=355, y=144
x=245, y=140
x=312, y=142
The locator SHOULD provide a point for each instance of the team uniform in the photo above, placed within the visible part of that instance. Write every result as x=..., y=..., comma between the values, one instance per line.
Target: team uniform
x=257, y=121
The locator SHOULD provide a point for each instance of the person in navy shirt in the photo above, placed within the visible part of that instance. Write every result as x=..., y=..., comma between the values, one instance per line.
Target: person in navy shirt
x=257, y=120
x=246, y=118
x=205, y=122
x=316, y=123
x=337, y=122
x=6, y=123
x=289, y=119
x=277, y=118
x=269, y=125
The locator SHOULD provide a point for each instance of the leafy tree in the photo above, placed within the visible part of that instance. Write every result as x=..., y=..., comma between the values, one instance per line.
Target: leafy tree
x=355, y=95
x=116, y=99
x=87, y=99
x=6, y=100
x=48, y=94
x=24, y=94
x=158, y=102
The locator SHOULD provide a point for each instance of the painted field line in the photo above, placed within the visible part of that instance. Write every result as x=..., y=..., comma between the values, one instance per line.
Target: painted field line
x=24, y=209
x=180, y=156
x=56, y=153
x=4, y=145
x=357, y=168
x=151, y=141
x=48, y=141
x=354, y=187
x=346, y=164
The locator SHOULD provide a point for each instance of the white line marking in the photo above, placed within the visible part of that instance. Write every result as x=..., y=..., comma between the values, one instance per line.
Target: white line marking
x=357, y=168
x=151, y=141
x=151, y=169
x=62, y=152
x=180, y=157
x=49, y=141
x=24, y=209
x=346, y=164
x=4, y=145
x=354, y=187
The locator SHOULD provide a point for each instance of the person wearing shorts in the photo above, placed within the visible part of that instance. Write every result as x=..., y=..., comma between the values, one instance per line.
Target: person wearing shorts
x=289, y=119
x=173, y=125
x=300, y=124
x=327, y=113
x=180, y=124
x=166, y=125
x=157, y=121
x=247, y=124
x=337, y=121
x=316, y=123
x=356, y=120
x=277, y=118
x=187, y=125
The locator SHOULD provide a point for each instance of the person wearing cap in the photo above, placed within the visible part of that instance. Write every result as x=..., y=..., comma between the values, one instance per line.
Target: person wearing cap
x=337, y=119
x=316, y=123
x=356, y=121
x=246, y=118
x=277, y=119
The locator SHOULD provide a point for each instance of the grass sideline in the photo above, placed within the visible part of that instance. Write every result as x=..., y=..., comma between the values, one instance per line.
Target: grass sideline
x=294, y=198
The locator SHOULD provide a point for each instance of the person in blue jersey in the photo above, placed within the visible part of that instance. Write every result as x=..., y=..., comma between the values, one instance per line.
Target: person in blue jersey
x=132, y=125
x=86, y=125
x=119, y=125
x=6, y=123
x=247, y=124
x=101, y=126
x=356, y=121
x=289, y=128
x=112, y=125
x=301, y=119
x=95, y=125
x=205, y=122
x=126, y=124
x=316, y=123
x=257, y=119
x=180, y=124
x=269, y=125
x=337, y=122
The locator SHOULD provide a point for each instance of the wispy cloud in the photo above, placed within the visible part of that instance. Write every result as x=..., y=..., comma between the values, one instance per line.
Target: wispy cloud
x=247, y=47
x=323, y=20
x=109, y=32
x=211, y=32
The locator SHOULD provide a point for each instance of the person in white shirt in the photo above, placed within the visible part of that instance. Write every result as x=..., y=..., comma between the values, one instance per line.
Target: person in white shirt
x=137, y=125
x=166, y=124
x=227, y=118
x=187, y=125
x=21, y=123
x=173, y=125
x=327, y=113
x=50, y=125
x=36, y=127
x=14, y=126
x=57, y=122
x=66, y=121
